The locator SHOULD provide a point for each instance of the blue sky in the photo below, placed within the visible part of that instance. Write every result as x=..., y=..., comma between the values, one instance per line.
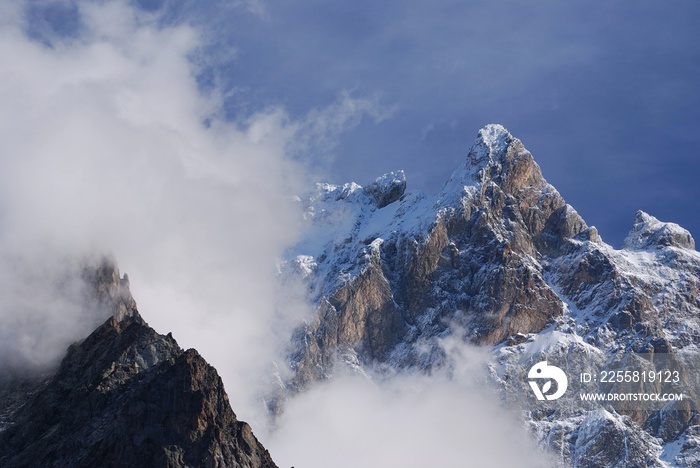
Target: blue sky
x=606, y=95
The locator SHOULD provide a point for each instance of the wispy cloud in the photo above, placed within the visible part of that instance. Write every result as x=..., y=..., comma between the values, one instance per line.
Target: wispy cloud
x=319, y=133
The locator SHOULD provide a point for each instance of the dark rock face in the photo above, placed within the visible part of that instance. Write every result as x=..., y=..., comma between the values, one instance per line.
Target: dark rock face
x=127, y=396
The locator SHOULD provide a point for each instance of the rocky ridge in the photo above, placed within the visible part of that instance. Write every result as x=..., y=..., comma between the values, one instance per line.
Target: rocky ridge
x=501, y=259
x=126, y=396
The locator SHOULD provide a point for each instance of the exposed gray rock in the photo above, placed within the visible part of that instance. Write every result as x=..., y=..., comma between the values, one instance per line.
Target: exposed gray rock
x=604, y=440
x=108, y=289
x=671, y=422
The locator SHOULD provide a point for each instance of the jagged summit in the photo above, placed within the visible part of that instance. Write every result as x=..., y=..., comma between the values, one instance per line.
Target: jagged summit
x=650, y=232
x=490, y=145
x=497, y=160
x=108, y=287
x=125, y=396
x=380, y=271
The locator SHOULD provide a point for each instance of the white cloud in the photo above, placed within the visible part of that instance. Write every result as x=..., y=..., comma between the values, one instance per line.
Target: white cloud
x=105, y=150
x=447, y=419
x=109, y=146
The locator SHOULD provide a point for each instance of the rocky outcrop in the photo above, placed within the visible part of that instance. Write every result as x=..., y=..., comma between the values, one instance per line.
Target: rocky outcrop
x=106, y=290
x=604, y=440
x=650, y=232
x=387, y=189
x=128, y=396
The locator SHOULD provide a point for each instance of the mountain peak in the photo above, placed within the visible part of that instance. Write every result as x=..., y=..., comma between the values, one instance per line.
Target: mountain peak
x=650, y=232
x=497, y=258
x=128, y=396
x=387, y=188
x=495, y=157
x=644, y=217
x=491, y=144
x=123, y=396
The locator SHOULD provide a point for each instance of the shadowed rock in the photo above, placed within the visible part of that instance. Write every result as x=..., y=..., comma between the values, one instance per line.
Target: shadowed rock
x=128, y=396
x=387, y=188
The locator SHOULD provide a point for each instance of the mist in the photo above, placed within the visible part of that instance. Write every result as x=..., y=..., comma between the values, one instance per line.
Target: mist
x=450, y=418
x=110, y=146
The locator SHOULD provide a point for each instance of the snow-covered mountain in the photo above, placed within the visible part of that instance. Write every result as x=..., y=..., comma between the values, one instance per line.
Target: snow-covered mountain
x=500, y=258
